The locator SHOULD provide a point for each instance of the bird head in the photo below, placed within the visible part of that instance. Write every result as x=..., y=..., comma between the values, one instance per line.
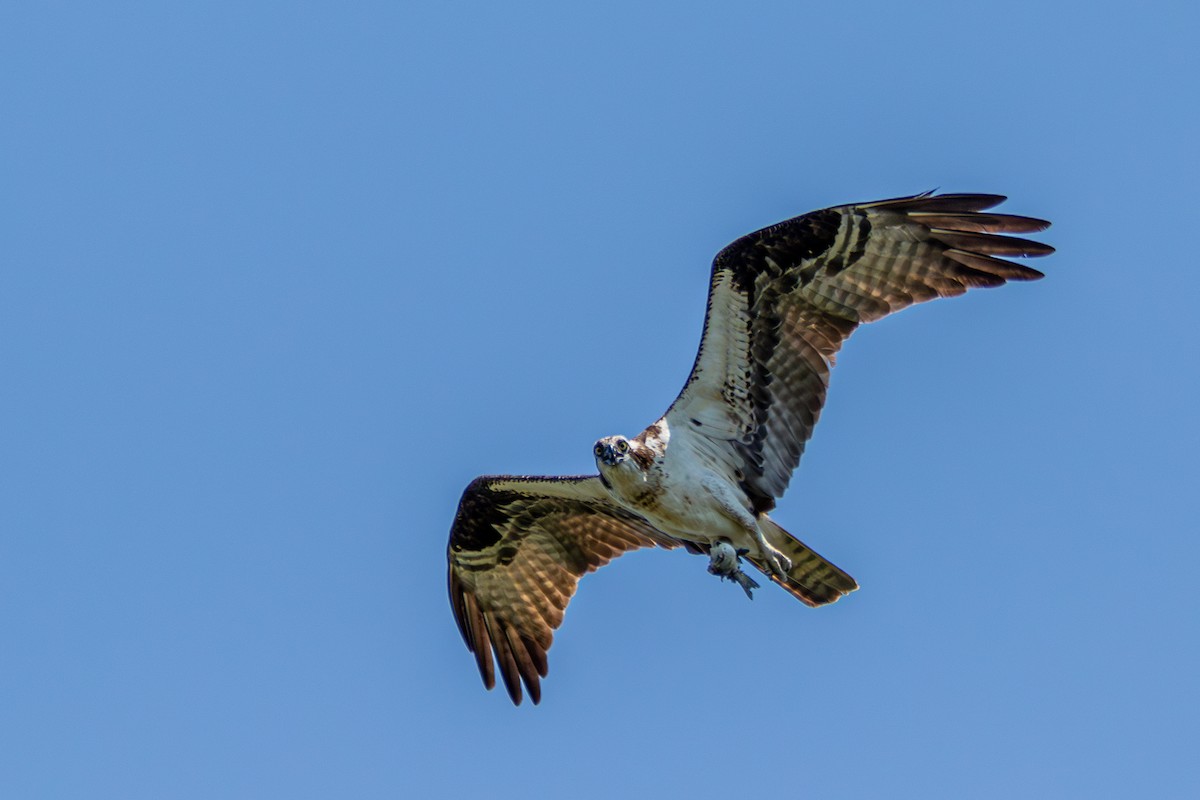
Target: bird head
x=611, y=451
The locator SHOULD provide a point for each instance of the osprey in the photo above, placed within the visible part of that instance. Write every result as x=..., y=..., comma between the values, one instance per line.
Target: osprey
x=705, y=475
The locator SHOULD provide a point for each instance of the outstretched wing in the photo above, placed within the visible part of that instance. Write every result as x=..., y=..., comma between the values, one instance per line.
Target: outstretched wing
x=783, y=299
x=518, y=547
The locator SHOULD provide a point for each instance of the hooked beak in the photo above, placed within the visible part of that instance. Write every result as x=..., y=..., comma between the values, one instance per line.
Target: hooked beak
x=609, y=455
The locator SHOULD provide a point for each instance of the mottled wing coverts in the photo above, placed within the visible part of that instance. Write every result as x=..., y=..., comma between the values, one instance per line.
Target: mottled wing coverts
x=783, y=299
x=517, y=550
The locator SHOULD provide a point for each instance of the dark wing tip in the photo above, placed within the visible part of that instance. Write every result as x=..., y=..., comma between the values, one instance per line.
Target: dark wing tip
x=520, y=659
x=471, y=623
x=978, y=240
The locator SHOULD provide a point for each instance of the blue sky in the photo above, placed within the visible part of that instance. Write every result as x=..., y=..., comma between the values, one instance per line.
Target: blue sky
x=279, y=279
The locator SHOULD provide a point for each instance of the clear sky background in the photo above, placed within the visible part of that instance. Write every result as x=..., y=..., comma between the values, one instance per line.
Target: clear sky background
x=279, y=279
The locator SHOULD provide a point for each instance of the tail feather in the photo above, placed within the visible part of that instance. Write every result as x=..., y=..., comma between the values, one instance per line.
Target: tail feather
x=812, y=580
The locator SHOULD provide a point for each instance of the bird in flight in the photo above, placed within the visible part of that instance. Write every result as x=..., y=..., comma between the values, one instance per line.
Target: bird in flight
x=781, y=302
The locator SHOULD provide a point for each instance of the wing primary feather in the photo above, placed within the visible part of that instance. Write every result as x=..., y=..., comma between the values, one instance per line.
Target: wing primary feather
x=482, y=642
x=525, y=666
x=980, y=222
x=504, y=657
x=991, y=245
x=538, y=654
x=456, y=604
x=940, y=202
x=995, y=266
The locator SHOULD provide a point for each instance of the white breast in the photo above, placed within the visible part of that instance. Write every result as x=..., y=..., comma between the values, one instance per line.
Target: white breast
x=689, y=495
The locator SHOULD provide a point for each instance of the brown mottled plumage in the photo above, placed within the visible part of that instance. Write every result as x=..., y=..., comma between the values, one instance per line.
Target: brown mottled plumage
x=518, y=547
x=781, y=302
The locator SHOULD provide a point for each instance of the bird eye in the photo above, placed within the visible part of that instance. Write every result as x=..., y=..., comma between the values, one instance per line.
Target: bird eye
x=598, y=449
x=622, y=446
